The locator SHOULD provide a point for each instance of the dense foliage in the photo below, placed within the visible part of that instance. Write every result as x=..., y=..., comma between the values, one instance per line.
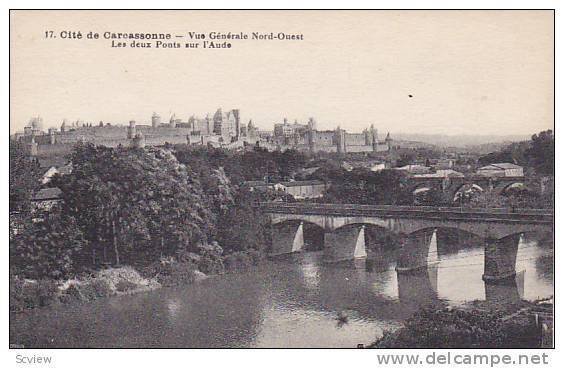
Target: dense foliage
x=24, y=177
x=48, y=247
x=456, y=328
x=256, y=164
x=135, y=204
x=128, y=206
x=362, y=186
x=538, y=153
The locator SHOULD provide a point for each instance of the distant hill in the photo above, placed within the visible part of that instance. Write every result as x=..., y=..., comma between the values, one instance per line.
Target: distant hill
x=482, y=143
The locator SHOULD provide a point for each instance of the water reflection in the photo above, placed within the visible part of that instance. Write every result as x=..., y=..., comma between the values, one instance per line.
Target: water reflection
x=418, y=288
x=310, y=273
x=290, y=302
x=508, y=291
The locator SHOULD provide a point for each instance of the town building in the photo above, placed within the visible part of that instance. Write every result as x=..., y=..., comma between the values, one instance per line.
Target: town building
x=304, y=189
x=414, y=169
x=45, y=199
x=61, y=170
x=501, y=169
x=371, y=165
x=446, y=173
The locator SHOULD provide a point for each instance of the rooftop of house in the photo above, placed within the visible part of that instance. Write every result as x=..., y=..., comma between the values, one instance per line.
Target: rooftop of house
x=56, y=160
x=47, y=194
x=414, y=168
x=500, y=166
x=301, y=183
x=441, y=174
x=297, y=183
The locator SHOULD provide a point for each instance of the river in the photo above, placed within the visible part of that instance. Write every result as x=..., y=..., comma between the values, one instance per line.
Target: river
x=291, y=301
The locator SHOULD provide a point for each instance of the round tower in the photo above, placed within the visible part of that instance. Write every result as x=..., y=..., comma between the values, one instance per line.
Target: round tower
x=155, y=120
x=52, y=137
x=33, y=147
x=131, y=130
x=138, y=141
x=374, y=137
x=389, y=141
x=311, y=124
x=340, y=140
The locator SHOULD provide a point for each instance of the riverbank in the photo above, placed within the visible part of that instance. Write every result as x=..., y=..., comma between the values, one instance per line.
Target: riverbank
x=478, y=324
x=287, y=302
x=27, y=294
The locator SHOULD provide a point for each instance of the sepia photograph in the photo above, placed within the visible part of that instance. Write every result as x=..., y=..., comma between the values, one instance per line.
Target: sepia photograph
x=195, y=179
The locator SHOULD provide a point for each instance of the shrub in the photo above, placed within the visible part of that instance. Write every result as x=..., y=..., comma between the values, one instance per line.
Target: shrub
x=173, y=273
x=47, y=292
x=256, y=256
x=243, y=260
x=125, y=285
x=101, y=287
x=72, y=294
x=17, y=303
x=87, y=290
x=455, y=328
x=27, y=295
x=211, y=261
x=211, y=264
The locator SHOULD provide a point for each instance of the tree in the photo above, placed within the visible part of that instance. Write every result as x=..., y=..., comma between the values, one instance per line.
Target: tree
x=541, y=152
x=48, y=247
x=362, y=186
x=24, y=177
x=134, y=203
x=241, y=227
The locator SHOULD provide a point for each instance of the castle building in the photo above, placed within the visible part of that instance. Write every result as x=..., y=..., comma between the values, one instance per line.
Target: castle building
x=155, y=120
x=227, y=125
x=34, y=127
x=224, y=129
x=202, y=126
x=307, y=137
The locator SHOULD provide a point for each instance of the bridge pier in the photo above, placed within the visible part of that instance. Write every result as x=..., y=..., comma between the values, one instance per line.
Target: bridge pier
x=500, y=257
x=418, y=288
x=414, y=252
x=508, y=291
x=345, y=244
x=287, y=238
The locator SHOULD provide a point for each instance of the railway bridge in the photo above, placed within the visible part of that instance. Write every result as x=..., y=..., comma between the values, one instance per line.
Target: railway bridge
x=452, y=185
x=344, y=230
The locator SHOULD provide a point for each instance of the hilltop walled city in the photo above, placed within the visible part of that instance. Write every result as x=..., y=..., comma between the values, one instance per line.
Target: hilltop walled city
x=223, y=129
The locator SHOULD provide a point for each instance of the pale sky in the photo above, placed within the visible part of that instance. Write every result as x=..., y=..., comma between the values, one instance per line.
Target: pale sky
x=469, y=72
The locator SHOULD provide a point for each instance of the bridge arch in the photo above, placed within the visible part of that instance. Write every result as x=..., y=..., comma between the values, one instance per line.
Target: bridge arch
x=457, y=190
x=377, y=234
x=503, y=187
x=277, y=219
x=283, y=222
x=372, y=222
x=442, y=226
x=423, y=185
x=304, y=235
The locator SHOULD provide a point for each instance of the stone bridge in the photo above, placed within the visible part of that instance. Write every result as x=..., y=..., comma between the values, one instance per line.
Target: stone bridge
x=344, y=230
x=452, y=185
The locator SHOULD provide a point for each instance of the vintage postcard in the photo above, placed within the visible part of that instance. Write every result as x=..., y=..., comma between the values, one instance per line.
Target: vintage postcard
x=282, y=179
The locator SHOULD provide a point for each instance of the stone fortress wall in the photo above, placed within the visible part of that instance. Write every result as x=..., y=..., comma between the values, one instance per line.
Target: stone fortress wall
x=223, y=130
